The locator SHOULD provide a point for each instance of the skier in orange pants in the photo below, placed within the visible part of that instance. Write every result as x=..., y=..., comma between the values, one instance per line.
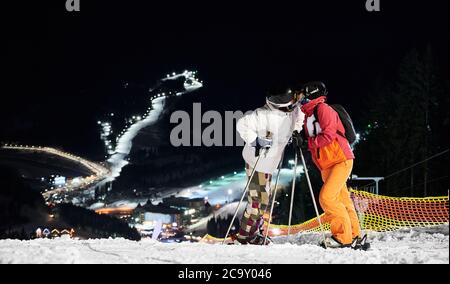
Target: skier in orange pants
x=335, y=201
x=332, y=154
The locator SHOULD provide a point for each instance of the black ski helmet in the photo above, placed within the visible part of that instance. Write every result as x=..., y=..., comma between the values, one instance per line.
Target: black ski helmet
x=285, y=101
x=313, y=90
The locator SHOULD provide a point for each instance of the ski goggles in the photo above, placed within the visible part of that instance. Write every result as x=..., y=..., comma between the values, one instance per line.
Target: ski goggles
x=289, y=108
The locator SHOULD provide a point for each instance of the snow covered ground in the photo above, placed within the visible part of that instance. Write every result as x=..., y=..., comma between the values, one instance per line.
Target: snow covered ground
x=421, y=245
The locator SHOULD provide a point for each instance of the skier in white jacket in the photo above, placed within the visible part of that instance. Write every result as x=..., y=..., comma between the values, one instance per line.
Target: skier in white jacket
x=266, y=132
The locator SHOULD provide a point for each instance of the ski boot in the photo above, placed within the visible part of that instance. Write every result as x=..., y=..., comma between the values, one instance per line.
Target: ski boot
x=260, y=239
x=333, y=243
x=362, y=243
x=236, y=240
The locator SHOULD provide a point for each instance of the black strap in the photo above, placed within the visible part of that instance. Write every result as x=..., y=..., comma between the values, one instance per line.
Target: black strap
x=316, y=115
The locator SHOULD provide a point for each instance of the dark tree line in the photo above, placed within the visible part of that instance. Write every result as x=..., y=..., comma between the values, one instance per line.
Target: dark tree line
x=407, y=122
x=19, y=204
x=100, y=226
x=15, y=234
x=217, y=227
x=175, y=169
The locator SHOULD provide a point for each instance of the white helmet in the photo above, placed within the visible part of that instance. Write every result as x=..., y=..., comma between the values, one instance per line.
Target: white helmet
x=286, y=101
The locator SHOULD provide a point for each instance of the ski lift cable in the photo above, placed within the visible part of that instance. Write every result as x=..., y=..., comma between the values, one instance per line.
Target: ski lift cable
x=412, y=166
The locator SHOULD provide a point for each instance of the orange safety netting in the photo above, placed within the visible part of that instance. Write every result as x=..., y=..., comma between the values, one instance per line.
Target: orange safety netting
x=380, y=213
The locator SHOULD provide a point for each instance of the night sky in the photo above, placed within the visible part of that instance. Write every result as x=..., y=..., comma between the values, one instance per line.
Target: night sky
x=61, y=68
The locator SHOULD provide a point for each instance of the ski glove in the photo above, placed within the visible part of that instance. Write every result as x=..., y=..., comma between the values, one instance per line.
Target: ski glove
x=299, y=140
x=262, y=143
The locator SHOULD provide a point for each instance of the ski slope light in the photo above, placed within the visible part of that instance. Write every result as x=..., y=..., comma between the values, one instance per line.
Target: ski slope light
x=276, y=232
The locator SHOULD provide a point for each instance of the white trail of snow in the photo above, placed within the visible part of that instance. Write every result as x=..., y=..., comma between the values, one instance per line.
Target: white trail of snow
x=119, y=159
x=125, y=143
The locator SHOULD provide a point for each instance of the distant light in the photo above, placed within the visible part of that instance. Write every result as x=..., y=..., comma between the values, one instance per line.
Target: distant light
x=235, y=173
x=206, y=198
x=230, y=192
x=276, y=231
x=210, y=182
x=222, y=177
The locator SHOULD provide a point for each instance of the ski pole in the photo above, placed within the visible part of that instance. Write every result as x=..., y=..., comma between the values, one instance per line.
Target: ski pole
x=292, y=195
x=242, y=198
x=312, y=195
x=273, y=199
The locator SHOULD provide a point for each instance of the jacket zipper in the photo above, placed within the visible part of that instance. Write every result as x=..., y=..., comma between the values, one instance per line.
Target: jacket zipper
x=318, y=153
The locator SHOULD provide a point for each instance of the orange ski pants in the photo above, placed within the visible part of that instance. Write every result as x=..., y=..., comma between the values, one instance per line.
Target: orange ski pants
x=337, y=204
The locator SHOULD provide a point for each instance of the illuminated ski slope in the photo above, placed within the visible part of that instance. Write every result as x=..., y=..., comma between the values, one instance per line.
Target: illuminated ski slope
x=230, y=187
x=119, y=157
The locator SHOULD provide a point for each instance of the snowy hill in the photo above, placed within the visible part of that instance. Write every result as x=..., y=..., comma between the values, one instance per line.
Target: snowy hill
x=422, y=245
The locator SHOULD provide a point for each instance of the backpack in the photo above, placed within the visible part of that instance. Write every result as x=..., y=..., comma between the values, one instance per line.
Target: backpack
x=350, y=132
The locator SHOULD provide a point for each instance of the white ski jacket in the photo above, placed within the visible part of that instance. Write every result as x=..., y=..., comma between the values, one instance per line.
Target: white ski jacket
x=279, y=125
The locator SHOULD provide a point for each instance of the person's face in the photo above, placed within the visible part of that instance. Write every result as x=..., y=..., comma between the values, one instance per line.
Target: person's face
x=298, y=96
x=301, y=96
